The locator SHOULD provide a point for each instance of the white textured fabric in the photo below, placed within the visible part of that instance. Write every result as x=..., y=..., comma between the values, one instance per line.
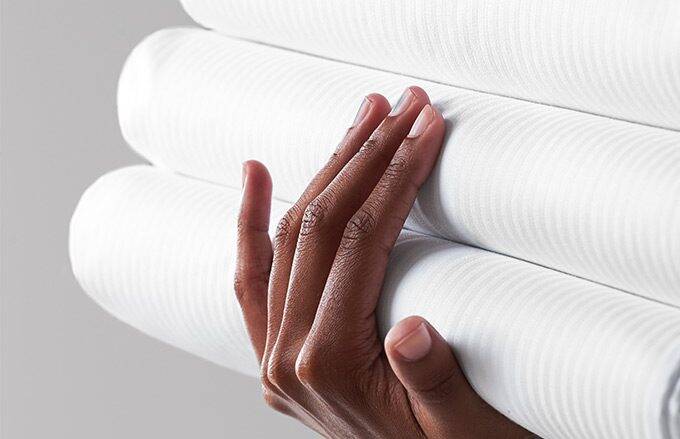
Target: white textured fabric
x=562, y=356
x=583, y=194
x=619, y=58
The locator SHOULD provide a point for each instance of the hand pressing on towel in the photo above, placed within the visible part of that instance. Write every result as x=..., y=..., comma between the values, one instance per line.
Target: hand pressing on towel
x=309, y=299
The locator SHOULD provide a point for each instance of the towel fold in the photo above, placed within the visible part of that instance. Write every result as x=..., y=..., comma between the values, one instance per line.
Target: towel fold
x=582, y=194
x=561, y=296
x=562, y=356
x=611, y=57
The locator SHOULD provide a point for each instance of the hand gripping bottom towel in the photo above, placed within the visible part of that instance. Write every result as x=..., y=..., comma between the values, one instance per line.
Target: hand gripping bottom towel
x=560, y=355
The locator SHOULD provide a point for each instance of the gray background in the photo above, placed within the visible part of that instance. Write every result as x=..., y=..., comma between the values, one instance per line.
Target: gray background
x=68, y=369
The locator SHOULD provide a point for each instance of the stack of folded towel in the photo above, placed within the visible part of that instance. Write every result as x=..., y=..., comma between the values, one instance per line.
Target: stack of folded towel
x=545, y=246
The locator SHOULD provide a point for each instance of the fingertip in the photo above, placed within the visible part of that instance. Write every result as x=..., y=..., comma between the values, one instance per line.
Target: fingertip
x=256, y=196
x=409, y=339
x=373, y=109
x=419, y=93
x=428, y=130
x=255, y=167
x=438, y=125
x=423, y=360
x=380, y=102
x=380, y=108
x=255, y=175
x=437, y=114
x=435, y=383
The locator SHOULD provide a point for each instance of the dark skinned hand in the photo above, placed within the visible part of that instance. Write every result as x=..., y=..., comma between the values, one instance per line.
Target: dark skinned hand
x=309, y=299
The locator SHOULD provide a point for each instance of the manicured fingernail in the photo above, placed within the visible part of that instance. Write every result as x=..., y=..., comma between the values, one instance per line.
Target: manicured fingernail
x=403, y=103
x=424, y=118
x=244, y=173
x=416, y=344
x=363, y=111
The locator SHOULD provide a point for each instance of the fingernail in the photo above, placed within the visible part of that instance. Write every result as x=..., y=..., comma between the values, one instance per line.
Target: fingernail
x=403, y=103
x=363, y=111
x=416, y=344
x=424, y=118
x=244, y=173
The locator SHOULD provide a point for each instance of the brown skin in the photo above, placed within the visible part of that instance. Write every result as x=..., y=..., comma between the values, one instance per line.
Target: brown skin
x=309, y=300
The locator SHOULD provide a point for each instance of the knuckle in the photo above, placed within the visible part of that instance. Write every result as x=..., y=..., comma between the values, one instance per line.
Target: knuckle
x=379, y=147
x=369, y=145
x=270, y=398
x=240, y=287
x=315, y=215
x=243, y=282
x=359, y=228
x=273, y=373
x=264, y=381
x=286, y=226
x=280, y=375
x=399, y=174
x=274, y=401
x=398, y=167
x=333, y=159
x=438, y=390
x=307, y=374
x=245, y=226
x=309, y=368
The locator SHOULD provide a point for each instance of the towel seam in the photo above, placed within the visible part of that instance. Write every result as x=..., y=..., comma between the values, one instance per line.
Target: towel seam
x=631, y=293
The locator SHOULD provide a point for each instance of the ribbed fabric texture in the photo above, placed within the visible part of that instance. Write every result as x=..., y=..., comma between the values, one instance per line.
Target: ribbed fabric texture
x=559, y=180
x=562, y=356
x=619, y=58
x=583, y=194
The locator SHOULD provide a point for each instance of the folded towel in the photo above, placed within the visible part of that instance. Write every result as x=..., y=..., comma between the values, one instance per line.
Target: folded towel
x=583, y=194
x=611, y=57
x=562, y=356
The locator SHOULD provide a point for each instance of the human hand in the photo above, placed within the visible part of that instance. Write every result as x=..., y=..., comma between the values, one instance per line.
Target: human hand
x=309, y=300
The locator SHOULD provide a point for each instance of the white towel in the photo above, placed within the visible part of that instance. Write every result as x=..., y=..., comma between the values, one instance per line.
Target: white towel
x=619, y=58
x=562, y=356
x=583, y=194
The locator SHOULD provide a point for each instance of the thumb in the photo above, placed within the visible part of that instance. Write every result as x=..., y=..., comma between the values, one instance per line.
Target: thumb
x=442, y=400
